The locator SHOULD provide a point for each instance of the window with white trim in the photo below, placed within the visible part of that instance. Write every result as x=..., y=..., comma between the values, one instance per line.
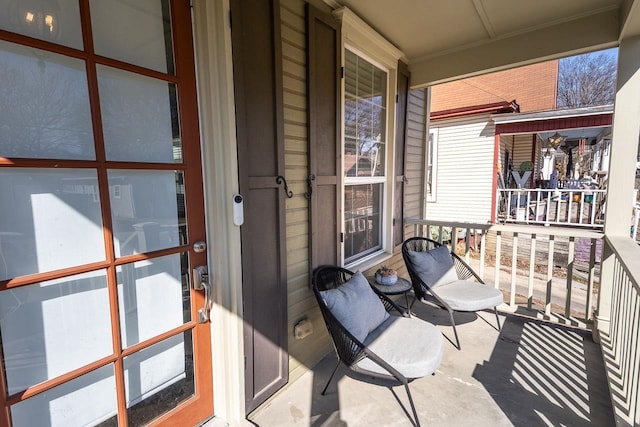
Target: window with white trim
x=369, y=91
x=432, y=165
x=365, y=151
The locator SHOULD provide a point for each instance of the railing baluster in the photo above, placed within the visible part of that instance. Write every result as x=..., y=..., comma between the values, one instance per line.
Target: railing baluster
x=636, y=362
x=631, y=356
x=467, y=247
x=483, y=251
x=514, y=269
x=532, y=263
x=454, y=239
x=591, y=279
x=496, y=273
x=547, y=306
x=570, y=264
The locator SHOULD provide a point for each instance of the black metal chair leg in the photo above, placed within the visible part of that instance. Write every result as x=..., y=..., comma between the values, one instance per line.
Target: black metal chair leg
x=495, y=309
x=413, y=408
x=330, y=378
x=455, y=332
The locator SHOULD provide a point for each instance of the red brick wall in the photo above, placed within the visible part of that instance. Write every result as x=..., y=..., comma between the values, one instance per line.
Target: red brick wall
x=534, y=88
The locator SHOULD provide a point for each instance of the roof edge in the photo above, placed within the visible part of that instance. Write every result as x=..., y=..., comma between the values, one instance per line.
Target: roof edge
x=493, y=108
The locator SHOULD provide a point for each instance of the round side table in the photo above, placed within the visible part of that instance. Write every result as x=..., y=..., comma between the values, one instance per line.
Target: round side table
x=402, y=286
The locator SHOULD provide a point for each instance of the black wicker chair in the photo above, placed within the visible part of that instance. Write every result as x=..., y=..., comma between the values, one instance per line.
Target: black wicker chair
x=489, y=298
x=353, y=352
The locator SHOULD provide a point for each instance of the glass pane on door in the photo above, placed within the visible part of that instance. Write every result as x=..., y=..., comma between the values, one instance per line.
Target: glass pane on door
x=54, y=327
x=139, y=117
x=158, y=378
x=87, y=400
x=147, y=209
x=44, y=102
x=50, y=219
x=134, y=31
x=44, y=20
x=153, y=296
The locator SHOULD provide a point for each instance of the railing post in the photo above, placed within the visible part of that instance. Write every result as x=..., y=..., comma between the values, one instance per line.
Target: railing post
x=602, y=322
x=496, y=273
x=483, y=250
x=532, y=263
x=591, y=279
x=547, y=307
x=570, y=263
x=514, y=270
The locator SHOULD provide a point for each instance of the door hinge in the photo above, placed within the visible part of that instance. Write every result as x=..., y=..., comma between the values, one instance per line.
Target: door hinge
x=342, y=72
x=393, y=222
x=230, y=21
x=341, y=237
x=397, y=98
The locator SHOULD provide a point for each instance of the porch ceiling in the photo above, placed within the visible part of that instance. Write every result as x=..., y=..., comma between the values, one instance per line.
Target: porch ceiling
x=444, y=41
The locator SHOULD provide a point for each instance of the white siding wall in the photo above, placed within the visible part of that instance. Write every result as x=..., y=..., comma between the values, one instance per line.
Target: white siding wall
x=465, y=170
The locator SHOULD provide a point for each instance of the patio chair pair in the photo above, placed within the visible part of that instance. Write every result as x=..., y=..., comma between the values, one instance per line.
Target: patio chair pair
x=368, y=340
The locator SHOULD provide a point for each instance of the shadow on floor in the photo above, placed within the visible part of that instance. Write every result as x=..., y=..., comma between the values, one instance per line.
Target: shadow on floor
x=541, y=374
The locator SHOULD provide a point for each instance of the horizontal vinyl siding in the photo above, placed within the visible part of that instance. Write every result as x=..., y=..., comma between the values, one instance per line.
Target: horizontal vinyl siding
x=303, y=354
x=465, y=170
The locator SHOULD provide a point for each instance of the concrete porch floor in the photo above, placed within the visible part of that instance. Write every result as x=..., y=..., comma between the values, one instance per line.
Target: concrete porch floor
x=529, y=374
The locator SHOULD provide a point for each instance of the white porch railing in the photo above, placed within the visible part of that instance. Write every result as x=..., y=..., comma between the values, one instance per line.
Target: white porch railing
x=621, y=346
x=576, y=207
x=545, y=272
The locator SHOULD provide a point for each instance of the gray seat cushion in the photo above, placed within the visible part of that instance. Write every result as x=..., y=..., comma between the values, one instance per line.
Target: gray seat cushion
x=463, y=295
x=356, y=306
x=434, y=267
x=412, y=346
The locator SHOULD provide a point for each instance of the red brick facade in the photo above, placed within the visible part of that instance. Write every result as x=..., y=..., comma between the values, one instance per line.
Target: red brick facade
x=533, y=87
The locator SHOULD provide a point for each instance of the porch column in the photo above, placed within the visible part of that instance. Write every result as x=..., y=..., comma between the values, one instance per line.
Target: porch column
x=624, y=149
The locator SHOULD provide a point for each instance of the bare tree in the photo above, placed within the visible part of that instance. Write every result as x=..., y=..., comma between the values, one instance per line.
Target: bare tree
x=587, y=80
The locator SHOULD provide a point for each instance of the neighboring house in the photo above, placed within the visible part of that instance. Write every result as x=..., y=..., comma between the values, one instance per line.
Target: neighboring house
x=474, y=126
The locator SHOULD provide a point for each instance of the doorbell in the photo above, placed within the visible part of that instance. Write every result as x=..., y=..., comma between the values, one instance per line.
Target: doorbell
x=238, y=209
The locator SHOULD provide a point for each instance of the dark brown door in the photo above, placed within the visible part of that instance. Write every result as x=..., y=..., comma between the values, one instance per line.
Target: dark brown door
x=101, y=203
x=323, y=82
x=259, y=129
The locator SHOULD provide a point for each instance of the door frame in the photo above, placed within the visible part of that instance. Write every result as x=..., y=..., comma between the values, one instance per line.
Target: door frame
x=214, y=74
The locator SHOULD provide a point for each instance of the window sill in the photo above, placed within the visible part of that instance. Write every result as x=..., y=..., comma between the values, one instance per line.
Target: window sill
x=369, y=262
